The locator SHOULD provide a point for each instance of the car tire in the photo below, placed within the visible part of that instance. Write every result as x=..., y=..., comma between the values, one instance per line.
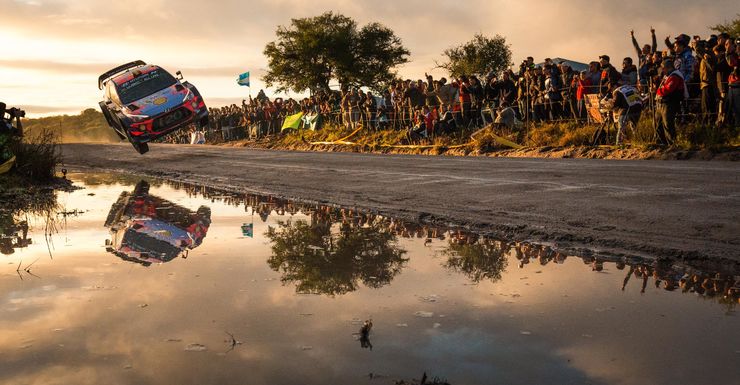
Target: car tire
x=111, y=122
x=141, y=148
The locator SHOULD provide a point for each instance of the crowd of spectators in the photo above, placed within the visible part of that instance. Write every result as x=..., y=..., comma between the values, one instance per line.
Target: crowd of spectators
x=708, y=93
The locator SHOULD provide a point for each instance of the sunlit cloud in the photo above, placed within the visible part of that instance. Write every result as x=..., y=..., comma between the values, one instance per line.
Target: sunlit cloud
x=214, y=41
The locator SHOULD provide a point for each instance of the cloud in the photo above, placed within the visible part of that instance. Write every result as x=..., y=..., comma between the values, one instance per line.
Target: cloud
x=222, y=38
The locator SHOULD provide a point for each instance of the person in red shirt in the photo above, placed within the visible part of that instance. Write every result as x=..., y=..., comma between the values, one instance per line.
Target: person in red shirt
x=465, y=101
x=584, y=87
x=670, y=93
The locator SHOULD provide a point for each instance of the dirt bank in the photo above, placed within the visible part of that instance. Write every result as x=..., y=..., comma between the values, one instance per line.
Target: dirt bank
x=657, y=209
x=587, y=152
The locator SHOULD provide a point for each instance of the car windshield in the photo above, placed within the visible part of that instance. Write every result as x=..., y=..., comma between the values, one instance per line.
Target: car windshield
x=144, y=85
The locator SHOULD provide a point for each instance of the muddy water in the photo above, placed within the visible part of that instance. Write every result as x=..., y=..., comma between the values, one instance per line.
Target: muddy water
x=144, y=282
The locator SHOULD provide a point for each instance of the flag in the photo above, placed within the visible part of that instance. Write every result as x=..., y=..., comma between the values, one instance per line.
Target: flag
x=248, y=230
x=243, y=79
x=293, y=121
x=312, y=121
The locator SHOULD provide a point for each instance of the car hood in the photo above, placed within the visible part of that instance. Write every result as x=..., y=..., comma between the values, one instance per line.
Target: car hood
x=159, y=102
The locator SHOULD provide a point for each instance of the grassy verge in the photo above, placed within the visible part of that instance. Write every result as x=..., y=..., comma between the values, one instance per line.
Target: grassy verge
x=553, y=140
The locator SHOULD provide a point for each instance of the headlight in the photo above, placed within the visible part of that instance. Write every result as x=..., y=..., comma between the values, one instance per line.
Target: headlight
x=138, y=118
x=188, y=96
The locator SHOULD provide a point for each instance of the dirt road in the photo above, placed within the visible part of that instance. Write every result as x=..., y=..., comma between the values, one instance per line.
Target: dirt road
x=653, y=208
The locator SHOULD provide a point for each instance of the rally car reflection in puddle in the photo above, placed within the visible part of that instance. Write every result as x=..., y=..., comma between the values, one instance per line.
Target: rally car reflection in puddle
x=147, y=229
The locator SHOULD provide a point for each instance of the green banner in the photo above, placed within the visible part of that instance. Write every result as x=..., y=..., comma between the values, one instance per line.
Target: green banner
x=293, y=121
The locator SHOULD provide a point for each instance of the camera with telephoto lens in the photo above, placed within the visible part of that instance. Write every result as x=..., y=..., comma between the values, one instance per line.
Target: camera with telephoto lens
x=12, y=112
x=16, y=113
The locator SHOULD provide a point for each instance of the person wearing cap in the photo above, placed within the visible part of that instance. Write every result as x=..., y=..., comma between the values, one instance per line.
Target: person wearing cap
x=671, y=92
x=609, y=75
x=685, y=60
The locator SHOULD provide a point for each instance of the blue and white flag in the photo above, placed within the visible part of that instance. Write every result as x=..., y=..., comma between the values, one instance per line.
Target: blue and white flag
x=243, y=79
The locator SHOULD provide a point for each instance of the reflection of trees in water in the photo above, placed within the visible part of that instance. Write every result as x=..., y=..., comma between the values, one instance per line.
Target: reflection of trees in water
x=477, y=258
x=322, y=261
x=481, y=258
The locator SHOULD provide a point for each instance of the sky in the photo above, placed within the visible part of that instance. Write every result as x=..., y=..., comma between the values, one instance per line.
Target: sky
x=54, y=50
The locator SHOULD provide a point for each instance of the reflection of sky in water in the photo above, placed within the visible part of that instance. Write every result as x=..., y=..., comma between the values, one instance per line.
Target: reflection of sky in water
x=93, y=318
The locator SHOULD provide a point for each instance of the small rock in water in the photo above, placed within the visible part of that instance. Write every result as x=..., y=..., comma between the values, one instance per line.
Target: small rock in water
x=424, y=314
x=127, y=367
x=195, y=348
x=436, y=325
x=306, y=347
x=143, y=305
x=525, y=333
x=407, y=325
x=173, y=340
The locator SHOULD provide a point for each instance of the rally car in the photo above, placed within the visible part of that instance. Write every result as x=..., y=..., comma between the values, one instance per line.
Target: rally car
x=143, y=102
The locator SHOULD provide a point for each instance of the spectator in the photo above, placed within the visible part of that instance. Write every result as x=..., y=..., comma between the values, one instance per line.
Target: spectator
x=584, y=88
x=609, y=75
x=708, y=83
x=671, y=92
x=629, y=72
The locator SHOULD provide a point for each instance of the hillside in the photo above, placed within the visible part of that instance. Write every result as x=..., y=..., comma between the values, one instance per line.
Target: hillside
x=88, y=126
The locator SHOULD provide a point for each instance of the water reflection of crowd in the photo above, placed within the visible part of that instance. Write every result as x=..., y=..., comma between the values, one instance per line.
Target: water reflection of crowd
x=483, y=257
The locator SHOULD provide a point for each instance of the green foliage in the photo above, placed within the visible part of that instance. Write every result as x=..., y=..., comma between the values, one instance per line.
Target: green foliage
x=481, y=260
x=311, y=52
x=321, y=261
x=481, y=55
x=88, y=126
x=730, y=27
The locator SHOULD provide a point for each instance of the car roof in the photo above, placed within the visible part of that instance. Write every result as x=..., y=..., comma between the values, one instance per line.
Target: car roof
x=130, y=73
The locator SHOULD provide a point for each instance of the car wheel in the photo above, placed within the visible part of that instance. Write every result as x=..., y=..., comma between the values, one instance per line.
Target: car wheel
x=141, y=148
x=117, y=128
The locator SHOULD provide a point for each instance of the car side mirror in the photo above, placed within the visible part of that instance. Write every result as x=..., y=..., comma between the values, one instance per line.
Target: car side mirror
x=179, y=75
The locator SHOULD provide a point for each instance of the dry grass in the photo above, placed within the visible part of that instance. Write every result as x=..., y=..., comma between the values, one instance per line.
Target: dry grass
x=37, y=156
x=552, y=135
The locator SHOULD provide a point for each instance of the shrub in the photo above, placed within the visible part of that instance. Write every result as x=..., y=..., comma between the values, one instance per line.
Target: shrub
x=37, y=156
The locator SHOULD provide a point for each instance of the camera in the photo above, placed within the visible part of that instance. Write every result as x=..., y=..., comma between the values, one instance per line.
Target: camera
x=16, y=113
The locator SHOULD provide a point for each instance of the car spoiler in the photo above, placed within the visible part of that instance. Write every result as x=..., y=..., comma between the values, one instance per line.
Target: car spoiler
x=118, y=69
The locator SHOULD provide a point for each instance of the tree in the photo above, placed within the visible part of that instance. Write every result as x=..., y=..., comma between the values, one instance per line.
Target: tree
x=731, y=28
x=311, y=52
x=320, y=261
x=482, y=55
x=480, y=260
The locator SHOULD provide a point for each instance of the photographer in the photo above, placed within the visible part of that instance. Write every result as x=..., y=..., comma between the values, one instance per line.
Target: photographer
x=7, y=132
x=6, y=127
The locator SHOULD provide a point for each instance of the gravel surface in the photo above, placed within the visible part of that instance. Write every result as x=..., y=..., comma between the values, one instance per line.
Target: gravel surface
x=647, y=208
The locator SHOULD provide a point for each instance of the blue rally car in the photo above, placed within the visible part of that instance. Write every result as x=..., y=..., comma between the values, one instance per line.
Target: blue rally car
x=143, y=102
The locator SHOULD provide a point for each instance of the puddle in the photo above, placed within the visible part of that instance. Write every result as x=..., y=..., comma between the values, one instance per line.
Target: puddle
x=125, y=272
